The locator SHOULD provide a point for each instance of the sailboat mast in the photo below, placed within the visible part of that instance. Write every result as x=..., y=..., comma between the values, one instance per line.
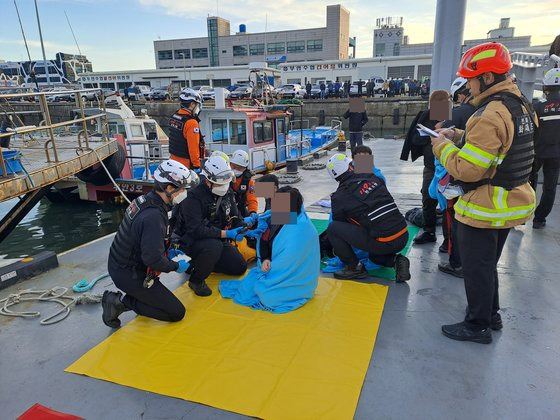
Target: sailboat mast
x=42, y=46
x=31, y=71
x=72, y=30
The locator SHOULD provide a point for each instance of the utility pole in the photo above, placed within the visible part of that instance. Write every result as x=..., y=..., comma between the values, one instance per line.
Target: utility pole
x=184, y=68
x=46, y=64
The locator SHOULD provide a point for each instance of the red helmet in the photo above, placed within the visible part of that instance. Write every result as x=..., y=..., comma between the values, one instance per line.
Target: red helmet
x=488, y=57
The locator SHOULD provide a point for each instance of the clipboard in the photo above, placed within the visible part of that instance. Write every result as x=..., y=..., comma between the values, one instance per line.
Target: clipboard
x=425, y=131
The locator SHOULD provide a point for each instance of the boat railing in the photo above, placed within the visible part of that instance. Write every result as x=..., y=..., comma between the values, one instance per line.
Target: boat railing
x=303, y=123
x=47, y=126
x=209, y=144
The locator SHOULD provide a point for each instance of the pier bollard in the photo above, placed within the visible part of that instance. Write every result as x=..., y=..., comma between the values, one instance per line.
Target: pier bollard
x=291, y=166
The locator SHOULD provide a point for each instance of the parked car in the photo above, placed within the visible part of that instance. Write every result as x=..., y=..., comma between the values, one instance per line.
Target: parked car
x=211, y=94
x=138, y=92
x=160, y=94
x=354, y=88
x=202, y=89
x=291, y=91
x=378, y=87
x=241, y=92
x=315, y=91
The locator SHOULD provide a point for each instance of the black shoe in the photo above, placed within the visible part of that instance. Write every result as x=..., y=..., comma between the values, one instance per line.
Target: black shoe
x=424, y=238
x=444, y=246
x=461, y=332
x=539, y=224
x=112, y=308
x=402, y=268
x=496, y=322
x=200, y=289
x=449, y=269
x=347, y=273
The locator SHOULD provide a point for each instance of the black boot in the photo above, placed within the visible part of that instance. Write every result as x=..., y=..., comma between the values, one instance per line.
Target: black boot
x=539, y=223
x=350, y=273
x=402, y=268
x=444, y=246
x=496, y=322
x=425, y=237
x=200, y=288
x=462, y=332
x=449, y=269
x=112, y=308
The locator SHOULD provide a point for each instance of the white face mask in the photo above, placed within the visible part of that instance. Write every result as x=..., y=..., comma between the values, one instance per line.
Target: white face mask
x=237, y=172
x=220, y=190
x=179, y=197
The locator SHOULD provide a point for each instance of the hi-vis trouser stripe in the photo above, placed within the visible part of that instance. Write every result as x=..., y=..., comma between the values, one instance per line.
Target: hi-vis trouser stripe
x=496, y=216
x=499, y=198
x=477, y=156
x=447, y=151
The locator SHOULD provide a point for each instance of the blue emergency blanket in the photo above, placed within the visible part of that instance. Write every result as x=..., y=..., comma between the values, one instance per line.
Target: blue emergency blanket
x=293, y=275
x=433, y=189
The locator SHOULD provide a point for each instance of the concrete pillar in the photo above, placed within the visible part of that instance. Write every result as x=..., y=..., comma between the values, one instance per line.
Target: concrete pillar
x=448, y=39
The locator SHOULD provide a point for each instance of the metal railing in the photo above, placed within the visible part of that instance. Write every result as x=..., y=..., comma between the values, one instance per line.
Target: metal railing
x=49, y=126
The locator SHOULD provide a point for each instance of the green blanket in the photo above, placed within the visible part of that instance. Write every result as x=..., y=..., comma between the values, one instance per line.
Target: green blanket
x=384, y=272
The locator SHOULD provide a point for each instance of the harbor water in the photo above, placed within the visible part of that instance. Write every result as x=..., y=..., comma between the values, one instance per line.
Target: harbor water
x=58, y=227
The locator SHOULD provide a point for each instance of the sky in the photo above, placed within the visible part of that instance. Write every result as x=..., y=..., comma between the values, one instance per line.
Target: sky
x=119, y=34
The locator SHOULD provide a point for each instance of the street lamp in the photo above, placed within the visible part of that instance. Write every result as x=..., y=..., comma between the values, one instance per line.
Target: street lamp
x=184, y=67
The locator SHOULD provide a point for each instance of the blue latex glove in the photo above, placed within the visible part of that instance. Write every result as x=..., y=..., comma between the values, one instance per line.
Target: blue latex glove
x=196, y=171
x=262, y=225
x=183, y=266
x=235, y=234
x=265, y=215
x=252, y=219
x=174, y=252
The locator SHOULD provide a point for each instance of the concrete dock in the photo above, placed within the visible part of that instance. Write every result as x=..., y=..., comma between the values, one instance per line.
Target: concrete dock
x=415, y=372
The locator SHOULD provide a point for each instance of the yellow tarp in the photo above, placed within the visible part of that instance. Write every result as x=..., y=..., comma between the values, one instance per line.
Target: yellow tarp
x=310, y=363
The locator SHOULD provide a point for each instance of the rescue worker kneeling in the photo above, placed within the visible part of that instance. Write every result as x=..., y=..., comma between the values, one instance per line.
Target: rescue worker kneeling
x=207, y=223
x=365, y=216
x=138, y=252
x=244, y=185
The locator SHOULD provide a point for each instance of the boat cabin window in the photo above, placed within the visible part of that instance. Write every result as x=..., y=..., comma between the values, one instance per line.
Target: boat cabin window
x=115, y=128
x=262, y=131
x=136, y=130
x=151, y=131
x=237, y=132
x=219, y=131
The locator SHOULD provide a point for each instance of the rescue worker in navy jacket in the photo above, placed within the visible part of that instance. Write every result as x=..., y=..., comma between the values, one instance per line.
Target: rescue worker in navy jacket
x=547, y=146
x=244, y=185
x=207, y=223
x=186, y=144
x=138, y=252
x=365, y=216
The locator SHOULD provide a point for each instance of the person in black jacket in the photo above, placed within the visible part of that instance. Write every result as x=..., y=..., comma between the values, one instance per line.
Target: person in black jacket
x=356, y=122
x=415, y=146
x=365, y=216
x=138, y=252
x=462, y=111
x=547, y=146
x=208, y=221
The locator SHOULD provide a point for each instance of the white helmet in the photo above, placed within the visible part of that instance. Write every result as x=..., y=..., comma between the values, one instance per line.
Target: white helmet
x=458, y=84
x=222, y=154
x=240, y=157
x=217, y=170
x=189, y=95
x=338, y=164
x=552, y=78
x=175, y=173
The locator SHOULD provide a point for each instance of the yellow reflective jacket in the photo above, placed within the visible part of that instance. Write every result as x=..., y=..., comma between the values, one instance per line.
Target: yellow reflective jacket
x=488, y=137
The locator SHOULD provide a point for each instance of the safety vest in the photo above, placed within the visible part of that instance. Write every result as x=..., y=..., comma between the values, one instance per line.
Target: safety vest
x=381, y=216
x=241, y=193
x=178, y=145
x=125, y=250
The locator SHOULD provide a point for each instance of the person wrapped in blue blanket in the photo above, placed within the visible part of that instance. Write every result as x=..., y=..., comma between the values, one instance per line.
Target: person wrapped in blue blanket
x=287, y=270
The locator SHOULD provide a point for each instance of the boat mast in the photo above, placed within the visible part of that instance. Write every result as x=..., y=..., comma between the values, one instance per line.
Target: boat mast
x=32, y=72
x=72, y=30
x=42, y=46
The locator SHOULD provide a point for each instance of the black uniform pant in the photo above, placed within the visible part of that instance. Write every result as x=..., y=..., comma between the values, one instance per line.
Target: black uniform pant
x=551, y=169
x=429, y=204
x=157, y=302
x=480, y=251
x=214, y=255
x=343, y=236
x=356, y=139
x=449, y=228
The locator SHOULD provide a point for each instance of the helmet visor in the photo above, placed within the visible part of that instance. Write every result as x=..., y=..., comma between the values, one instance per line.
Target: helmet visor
x=223, y=177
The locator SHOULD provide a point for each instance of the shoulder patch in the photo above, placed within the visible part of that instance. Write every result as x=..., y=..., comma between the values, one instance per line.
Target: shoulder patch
x=196, y=130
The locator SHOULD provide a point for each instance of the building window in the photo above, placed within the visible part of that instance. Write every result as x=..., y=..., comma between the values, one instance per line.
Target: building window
x=256, y=49
x=219, y=131
x=182, y=54
x=262, y=131
x=276, y=48
x=315, y=45
x=424, y=71
x=225, y=83
x=237, y=132
x=296, y=46
x=200, y=53
x=165, y=55
x=403, y=72
x=396, y=49
x=239, y=50
x=379, y=50
x=202, y=82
